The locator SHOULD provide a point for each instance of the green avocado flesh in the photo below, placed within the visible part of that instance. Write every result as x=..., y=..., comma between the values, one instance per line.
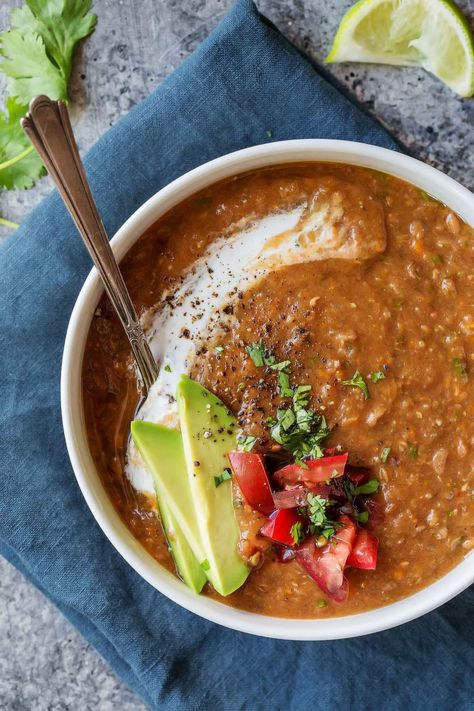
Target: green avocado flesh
x=162, y=451
x=208, y=431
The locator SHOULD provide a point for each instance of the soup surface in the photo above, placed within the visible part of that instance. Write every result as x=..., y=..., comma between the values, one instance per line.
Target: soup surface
x=390, y=297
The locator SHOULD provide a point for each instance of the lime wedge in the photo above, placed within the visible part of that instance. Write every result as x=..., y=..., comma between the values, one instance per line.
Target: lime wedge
x=432, y=34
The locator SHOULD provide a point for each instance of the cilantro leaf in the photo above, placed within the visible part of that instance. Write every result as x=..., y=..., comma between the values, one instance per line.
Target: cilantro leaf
x=19, y=163
x=378, y=375
x=36, y=54
x=260, y=354
x=357, y=381
x=412, y=450
x=284, y=388
x=385, y=453
x=257, y=352
x=320, y=524
x=60, y=24
x=31, y=72
x=223, y=476
x=246, y=442
x=370, y=487
x=297, y=532
x=362, y=516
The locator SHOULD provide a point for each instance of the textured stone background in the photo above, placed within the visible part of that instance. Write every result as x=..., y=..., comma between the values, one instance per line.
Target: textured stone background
x=44, y=663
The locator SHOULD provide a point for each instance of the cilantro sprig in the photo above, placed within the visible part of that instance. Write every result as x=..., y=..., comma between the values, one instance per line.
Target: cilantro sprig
x=37, y=54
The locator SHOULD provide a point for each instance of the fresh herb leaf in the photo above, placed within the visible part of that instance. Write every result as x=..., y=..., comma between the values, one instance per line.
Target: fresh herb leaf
x=320, y=524
x=257, y=353
x=20, y=165
x=39, y=49
x=384, y=454
x=412, y=450
x=284, y=388
x=459, y=368
x=30, y=70
x=167, y=368
x=246, y=442
x=241, y=386
x=362, y=516
x=437, y=259
x=282, y=365
x=378, y=375
x=370, y=487
x=205, y=564
x=219, y=349
x=357, y=381
x=297, y=533
x=300, y=431
x=322, y=603
x=223, y=476
x=37, y=57
x=269, y=133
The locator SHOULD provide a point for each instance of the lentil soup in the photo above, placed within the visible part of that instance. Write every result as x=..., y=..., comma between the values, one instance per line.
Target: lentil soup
x=370, y=311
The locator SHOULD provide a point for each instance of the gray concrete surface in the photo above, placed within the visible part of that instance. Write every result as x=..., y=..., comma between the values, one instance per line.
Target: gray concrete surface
x=44, y=662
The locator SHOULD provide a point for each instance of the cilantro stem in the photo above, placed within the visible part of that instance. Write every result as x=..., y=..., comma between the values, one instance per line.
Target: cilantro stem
x=17, y=158
x=8, y=223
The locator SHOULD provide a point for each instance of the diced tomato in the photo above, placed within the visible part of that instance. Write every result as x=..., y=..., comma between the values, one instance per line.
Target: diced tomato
x=326, y=565
x=279, y=525
x=364, y=551
x=251, y=476
x=316, y=470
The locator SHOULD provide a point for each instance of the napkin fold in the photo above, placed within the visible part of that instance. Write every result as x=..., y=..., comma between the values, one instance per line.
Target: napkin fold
x=243, y=81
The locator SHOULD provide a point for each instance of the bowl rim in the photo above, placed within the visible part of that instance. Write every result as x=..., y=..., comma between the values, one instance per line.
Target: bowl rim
x=437, y=184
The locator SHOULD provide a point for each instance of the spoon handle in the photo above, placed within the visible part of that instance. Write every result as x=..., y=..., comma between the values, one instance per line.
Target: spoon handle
x=49, y=129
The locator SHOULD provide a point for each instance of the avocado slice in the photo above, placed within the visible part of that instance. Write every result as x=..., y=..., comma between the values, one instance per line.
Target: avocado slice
x=186, y=562
x=162, y=451
x=208, y=430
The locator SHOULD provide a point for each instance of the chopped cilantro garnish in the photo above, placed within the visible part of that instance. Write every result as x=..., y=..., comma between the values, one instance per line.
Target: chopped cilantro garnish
x=284, y=388
x=219, y=349
x=269, y=133
x=322, y=603
x=320, y=524
x=297, y=532
x=459, y=368
x=205, y=564
x=362, y=517
x=246, y=442
x=167, y=368
x=223, y=476
x=384, y=454
x=437, y=259
x=412, y=450
x=357, y=381
x=299, y=429
x=369, y=487
x=378, y=375
x=260, y=354
x=241, y=386
x=281, y=365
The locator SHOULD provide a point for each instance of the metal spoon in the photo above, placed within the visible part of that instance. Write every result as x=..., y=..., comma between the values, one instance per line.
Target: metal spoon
x=49, y=129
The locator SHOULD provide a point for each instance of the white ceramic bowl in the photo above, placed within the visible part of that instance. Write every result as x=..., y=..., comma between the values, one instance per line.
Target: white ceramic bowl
x=413, y=171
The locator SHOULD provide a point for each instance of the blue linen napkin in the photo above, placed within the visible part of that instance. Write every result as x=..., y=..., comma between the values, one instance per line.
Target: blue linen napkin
x=244, y=80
